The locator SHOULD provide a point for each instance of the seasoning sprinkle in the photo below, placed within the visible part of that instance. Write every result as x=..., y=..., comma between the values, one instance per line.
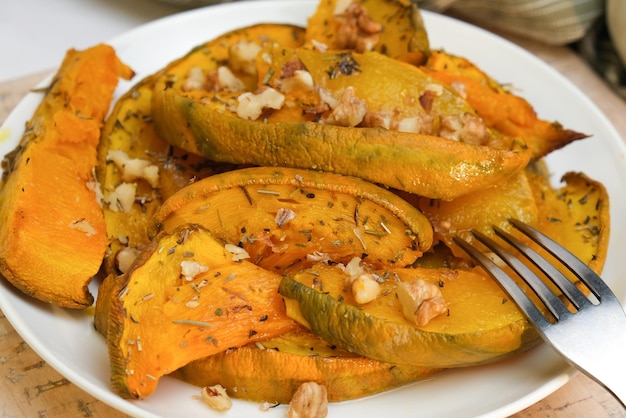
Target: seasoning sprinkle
x=192, y=322
x=269, y=192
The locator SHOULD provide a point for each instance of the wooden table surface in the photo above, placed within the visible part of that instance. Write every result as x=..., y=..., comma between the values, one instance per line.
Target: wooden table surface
x=31, y=388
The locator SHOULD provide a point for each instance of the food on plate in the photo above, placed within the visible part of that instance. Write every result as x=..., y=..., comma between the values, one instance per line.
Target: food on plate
x=278, y=207
x=136, y=171
x=280, y=217
x=188, y=296
x=53, y=231
x=272, y=370
x=328, y=111
x=468, y=325
x=499, y=107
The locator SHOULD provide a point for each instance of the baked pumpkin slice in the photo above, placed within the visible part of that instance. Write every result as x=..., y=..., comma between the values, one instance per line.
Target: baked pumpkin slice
x=137, y=171
x=499, y=107
x=272, y=370
x=461, y=322
x=185, y=298
x=285, y=217
x=327, y=111
x=394, y=28
x=53, y=230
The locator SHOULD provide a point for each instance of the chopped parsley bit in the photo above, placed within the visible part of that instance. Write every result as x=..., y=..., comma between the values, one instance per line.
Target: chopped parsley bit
x=219, y=312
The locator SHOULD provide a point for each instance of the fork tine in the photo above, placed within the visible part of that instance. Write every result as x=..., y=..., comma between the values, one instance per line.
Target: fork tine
x=525, y=304
x=563, y=283
x=547, y=296
x=594, y=282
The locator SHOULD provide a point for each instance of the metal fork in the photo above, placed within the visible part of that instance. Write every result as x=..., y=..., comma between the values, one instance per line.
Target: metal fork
x=593, y=337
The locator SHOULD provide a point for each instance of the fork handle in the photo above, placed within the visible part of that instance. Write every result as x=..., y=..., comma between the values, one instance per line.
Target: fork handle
x=612, y=374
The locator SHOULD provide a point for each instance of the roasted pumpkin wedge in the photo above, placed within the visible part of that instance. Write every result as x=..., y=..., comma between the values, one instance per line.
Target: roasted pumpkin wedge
x=304, y=112
x=576, y=214
x=482, y=210
x=272, y=370
x=475, y=326
x=394, y=28
x=500, y=108
x=282, y=216
x=137, y=170
x=53, y=232
x=185, y=298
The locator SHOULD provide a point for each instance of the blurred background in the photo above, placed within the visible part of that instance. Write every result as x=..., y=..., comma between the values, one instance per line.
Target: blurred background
x=34, y=34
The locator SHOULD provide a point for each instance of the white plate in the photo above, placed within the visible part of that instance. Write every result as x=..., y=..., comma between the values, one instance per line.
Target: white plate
x=67, y=340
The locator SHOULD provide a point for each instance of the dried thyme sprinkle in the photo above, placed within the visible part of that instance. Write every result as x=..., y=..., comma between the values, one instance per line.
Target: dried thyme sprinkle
x=270, y=192
x=192, y=322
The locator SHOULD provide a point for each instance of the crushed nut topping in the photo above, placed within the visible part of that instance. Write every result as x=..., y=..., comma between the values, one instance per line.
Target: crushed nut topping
x=421, y=301
x=465, y=128
x=348, y=111
x=125, y=258
x=195, y=80
x=134, y=168
x=227, y=80
x=251, y=105
x=242, y=57
x=122, y=198
x=362, y=284
x=237, y=252
x=309, y=401
x=190, y=269
x=284, y=215
x=357, y=30
x=216, y=397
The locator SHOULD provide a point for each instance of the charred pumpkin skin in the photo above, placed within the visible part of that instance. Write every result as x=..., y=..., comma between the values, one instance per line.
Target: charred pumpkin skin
x=403, y=36
x=478, y=328
x=426, y=165
x=501, y=110
x=57, y=155
x=273, y=372
x=334, y=215
x=161, y=317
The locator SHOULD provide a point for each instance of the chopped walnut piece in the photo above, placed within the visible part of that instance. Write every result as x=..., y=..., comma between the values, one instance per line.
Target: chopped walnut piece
x=216, y=397
x=284, y=215
x=309, y=401
x=242, y=57
x=362, y=284
x=195, y=80
x=349, y=111
x=190, y=269
x=125, y=258
x=464, y=128
x=357, y=30
x=122, y=198
x=227, y=80
x=420, y=124
x=134, y=168
x=251, y=105
x=364, y=288
x=421, y=301
x=238, y=253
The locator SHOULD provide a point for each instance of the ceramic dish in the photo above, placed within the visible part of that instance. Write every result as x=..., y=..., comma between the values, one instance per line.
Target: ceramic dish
x=67, y=340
